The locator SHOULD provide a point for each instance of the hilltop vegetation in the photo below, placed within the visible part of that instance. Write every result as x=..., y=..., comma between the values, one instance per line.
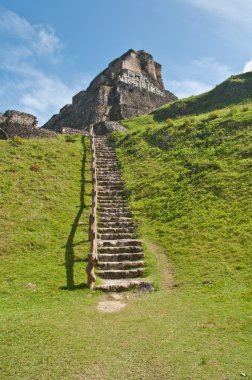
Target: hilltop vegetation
x=237, y=89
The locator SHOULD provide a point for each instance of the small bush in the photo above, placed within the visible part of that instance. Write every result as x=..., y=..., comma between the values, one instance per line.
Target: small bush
x=169, y=123
x=212, y=116
x=69, y=138
x=17, y=141
x=35, y=167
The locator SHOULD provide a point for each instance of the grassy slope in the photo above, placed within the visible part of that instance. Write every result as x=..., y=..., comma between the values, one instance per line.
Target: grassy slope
x=197, y=329
x=234, y=90
x=51, y=333
x=189, y=184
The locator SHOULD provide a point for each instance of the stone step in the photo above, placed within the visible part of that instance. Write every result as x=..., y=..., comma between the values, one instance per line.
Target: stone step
x=110, y=193
x=105, y=257
x=117, y=273
x=110, y=183
x=111, y=214
x=118, y=201
x=110, y=198
x=121, y=265
x=110, y=187
x=118, y=224
x=117, y=219
x=123, y=285
x=120, y=249
x=115, y=230
x=108, y=178
x=102, y=209
x=114, y=235
x=111, y=203
x=119, y=243
x=106, y=160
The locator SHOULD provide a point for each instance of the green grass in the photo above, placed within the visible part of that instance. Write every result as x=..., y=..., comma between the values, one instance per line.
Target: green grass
x=188, y=187
x=235, y=90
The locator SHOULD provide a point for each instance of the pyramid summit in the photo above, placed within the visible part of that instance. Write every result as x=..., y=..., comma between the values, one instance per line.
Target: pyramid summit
x=131, y=85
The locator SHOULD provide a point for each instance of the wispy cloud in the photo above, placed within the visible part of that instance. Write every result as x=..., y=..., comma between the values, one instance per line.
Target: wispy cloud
x=27, y=84
x=186, y=87
x=31, y=90
x=237, y=11
x=248, y=66
x=42, y=39
x=198, y=76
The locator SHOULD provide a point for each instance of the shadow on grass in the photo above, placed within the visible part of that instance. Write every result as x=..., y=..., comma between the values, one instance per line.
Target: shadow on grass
x=74, y=287
x=69, y=247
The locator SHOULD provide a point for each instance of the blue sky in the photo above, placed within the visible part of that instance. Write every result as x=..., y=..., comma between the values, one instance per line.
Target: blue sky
x=51, y=49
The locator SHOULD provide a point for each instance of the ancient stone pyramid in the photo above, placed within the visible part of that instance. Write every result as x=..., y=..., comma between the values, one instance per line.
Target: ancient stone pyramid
x=131, y=85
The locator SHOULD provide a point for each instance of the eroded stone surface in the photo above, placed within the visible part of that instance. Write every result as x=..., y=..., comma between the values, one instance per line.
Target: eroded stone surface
x=21, y=124
x=131, y=85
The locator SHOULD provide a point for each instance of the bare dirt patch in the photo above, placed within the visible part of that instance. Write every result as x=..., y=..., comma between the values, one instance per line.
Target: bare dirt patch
x=109, y=306
x=162, y=265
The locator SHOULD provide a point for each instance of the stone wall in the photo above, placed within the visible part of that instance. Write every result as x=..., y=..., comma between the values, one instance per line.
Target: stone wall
x=15, y=123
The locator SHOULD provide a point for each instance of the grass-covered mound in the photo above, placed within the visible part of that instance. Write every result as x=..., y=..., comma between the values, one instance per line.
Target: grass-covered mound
x=188, y=185
x=237, y=89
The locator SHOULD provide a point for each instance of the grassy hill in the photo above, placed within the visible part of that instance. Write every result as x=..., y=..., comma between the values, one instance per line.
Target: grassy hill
x=189, y=184
x=237, y=89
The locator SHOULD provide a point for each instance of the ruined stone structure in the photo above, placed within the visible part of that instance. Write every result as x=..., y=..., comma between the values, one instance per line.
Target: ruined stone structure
x=131, y=85
x=15, y=123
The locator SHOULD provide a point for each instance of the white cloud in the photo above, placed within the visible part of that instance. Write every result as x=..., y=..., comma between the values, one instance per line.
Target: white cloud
x=46, y=41
x=211, y=68
x=198, y=76
x=238, y=11
x=42, y=39
x=186, y=87
x=14, y=24
x=32, y=90
x=248, y=66
x=26, y=83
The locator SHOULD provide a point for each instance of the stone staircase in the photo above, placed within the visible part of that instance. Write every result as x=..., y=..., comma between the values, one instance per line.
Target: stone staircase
x=120, y=255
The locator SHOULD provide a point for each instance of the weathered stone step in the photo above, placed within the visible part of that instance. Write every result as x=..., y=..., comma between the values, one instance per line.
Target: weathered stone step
x=103, y=209
x=111, y=203
x=119, y=243
x=109, y=197
x=106, y=160
x=114, y=235
x=117, y=224
x=120, y=249
x=106, y=157
x=108, y=205
x=117, y=273
x=110, y=187
x=121, y=265
x=116, y=214
x=109, y=178
x=104, y=257
x=117, y=219
x=110, y=192
x=115, y=230
x=122, y=285
x=110, y=183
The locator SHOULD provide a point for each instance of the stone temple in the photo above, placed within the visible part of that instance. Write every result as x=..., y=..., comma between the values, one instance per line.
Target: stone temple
x=131, y=85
